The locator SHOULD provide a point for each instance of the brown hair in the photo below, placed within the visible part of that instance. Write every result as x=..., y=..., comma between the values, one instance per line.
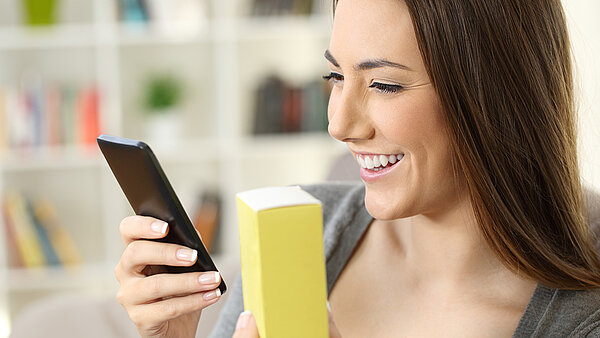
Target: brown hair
x=502, y=71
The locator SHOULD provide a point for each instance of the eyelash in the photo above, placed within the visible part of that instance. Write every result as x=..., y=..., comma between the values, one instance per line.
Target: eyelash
x=386, y=88
x=382, y=87
x=333, y=77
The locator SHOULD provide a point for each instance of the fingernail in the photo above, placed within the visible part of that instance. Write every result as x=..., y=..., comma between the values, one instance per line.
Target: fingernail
x=159, y=227
x=187, y=254
x=212, y=294
x=243, y=320
x=209, y=278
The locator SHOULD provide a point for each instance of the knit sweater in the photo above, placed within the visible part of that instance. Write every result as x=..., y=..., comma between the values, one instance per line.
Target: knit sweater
x=549, y=313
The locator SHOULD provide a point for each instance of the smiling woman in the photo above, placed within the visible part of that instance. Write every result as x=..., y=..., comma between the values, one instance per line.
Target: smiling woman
x=470, y=220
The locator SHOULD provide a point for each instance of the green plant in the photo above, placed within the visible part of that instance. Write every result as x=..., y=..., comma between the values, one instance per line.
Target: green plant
x=163, y=91
x=39, y=12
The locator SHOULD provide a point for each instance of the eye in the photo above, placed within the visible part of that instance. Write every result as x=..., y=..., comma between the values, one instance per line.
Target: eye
x=386, y=87
x=334, y=78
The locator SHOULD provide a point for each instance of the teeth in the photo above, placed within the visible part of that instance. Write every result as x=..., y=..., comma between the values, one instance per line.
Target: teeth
x=377, y=162
x=361, y=161
x=383, y=159
x=369, y=163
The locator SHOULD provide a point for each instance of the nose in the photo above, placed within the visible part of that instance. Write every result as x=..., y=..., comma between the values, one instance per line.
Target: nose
x=348, y=117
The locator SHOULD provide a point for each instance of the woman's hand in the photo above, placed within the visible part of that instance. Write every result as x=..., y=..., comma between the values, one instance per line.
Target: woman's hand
x=161, y=304
x=246, y=327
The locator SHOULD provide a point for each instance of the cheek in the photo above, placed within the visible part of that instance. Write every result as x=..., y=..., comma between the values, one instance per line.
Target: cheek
x=408, y=122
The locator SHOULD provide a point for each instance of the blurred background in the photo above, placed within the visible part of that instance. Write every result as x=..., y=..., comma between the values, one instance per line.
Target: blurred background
x=227, y=92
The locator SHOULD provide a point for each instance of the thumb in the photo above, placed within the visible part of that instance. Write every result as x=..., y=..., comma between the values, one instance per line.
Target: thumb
x=246, y=326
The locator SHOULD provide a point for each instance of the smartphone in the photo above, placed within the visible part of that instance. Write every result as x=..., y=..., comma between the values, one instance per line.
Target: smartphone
x=150, y=194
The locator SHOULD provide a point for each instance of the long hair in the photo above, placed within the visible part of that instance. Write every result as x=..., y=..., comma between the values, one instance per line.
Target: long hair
x=502, y=71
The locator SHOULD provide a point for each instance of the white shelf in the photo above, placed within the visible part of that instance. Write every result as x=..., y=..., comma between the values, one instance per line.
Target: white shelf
x=215, y=153
x=59, y=278
x=59, y=36
x=150, y=34
x=49, y=158
x=90, y=35
x=278, y=145
x=193, y=151
x=284, y=27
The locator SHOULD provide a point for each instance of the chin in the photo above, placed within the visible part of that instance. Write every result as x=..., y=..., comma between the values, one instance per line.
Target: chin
x=385, y=209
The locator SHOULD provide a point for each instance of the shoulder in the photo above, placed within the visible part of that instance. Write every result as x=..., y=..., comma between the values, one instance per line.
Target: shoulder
x=337, y=197
x=573, y=313
x=582, y=308
x=345, y=219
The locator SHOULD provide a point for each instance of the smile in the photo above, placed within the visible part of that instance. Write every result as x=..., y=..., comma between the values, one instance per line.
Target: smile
x=378, y=162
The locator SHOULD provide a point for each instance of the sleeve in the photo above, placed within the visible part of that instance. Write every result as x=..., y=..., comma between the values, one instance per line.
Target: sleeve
x=594, y=333
x=225, y=325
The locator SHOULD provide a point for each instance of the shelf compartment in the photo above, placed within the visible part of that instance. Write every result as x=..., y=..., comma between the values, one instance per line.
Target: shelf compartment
x=287, y=27
x=59, y=36
x=59, y=278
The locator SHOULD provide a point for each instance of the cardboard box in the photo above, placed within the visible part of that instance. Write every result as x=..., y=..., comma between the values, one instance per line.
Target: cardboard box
x=283, y=264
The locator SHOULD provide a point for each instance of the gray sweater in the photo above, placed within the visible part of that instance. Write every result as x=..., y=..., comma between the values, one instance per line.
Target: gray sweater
x=549, y=313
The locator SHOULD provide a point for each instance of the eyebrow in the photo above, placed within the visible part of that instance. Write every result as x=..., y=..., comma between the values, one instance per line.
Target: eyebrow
x=368, y=64
x=330, y=58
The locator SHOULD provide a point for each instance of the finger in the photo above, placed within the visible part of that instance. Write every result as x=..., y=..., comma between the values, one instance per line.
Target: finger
x=158, y=287
x=140, y=254
x=246, y=326
x=164, y=310
x=141, y=227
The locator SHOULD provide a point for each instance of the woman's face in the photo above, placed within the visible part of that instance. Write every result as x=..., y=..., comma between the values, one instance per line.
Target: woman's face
x=385, y=109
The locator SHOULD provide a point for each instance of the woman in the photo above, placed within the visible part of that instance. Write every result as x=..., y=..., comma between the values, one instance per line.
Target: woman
x=470, y=221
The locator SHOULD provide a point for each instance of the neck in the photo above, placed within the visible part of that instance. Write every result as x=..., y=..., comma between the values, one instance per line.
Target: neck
x=449, y=246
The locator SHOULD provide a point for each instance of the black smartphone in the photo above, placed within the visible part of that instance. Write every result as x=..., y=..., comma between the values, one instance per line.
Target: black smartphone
x=150, y=194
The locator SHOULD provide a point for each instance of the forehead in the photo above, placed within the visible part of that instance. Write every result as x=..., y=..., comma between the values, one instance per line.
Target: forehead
x=365, y=29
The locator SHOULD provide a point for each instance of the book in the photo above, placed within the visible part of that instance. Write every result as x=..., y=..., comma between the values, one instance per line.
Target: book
x=283, y=264
x=206, y=219
x=88, y=121
x=47, y=247
x=291, y=119
x=37, y=115
x=58, y=236
x=282, y=7
x=269, y=106
x=133, y=11
x=14, y=257
x=314, y=107
x=53, y=116
x=28, y=243
x=3, y=121
x=283, y=107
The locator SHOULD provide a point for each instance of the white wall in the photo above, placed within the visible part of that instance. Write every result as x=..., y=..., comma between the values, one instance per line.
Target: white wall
x=584, y=25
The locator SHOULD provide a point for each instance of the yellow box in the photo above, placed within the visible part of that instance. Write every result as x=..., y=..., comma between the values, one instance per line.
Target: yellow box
x=283, y=265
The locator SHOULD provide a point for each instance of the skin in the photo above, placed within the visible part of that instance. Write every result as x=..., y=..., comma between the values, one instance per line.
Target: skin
x=160, y=305
x=168, y=305
x=422, y=268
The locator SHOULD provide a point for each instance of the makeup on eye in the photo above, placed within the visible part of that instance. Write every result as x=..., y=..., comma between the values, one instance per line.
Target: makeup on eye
x=382, y=87
x=386, y=87
x=333, y=77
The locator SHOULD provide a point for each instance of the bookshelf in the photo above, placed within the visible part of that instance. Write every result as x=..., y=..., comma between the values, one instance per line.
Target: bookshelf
x=220, y=61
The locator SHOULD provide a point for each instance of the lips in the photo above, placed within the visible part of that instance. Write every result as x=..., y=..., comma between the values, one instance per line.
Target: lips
x=375, y=166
